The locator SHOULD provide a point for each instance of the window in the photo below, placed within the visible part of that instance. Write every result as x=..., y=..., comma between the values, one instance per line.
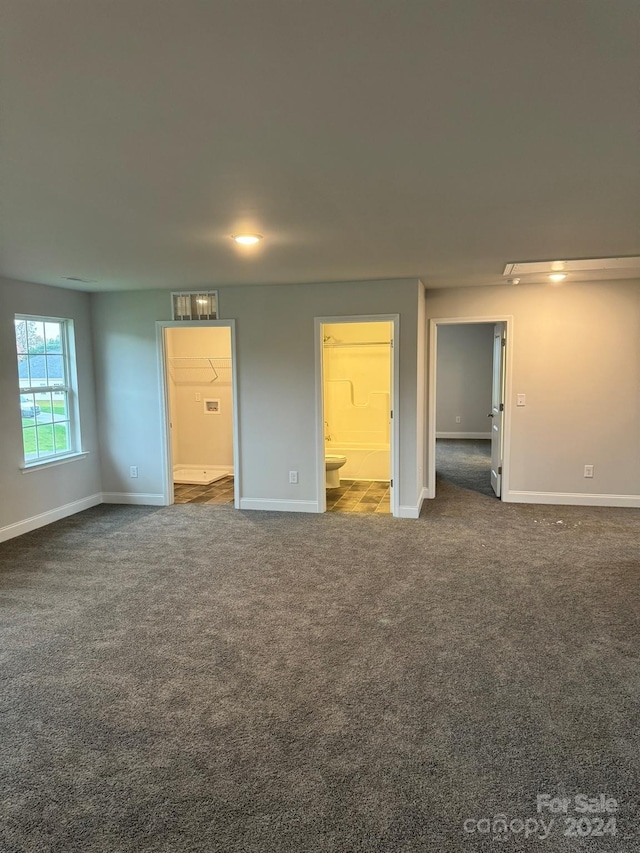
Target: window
x=47, y=379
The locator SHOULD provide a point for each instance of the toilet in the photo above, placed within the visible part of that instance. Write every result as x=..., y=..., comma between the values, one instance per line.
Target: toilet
x=333, y=465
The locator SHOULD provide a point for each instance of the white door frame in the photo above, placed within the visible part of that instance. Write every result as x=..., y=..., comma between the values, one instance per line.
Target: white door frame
x=395, y=404
x=163, y=376
x=433, y=375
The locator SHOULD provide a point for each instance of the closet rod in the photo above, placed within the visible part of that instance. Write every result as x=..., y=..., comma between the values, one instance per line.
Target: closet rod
x=360, y=344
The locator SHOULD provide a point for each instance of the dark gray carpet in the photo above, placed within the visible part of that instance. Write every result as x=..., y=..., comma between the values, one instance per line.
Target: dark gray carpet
x=465, y=463
x=196, y=678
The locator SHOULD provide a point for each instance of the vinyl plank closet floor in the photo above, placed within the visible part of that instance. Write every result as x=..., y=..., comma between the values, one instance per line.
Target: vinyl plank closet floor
x=220, y=492
x=351, y=496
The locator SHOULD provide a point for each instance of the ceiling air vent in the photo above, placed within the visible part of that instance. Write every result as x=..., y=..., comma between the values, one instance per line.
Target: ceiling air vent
x=578, y=269
x=195, y=305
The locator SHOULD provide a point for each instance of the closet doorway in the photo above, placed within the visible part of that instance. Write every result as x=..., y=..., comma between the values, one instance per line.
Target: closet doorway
x=200, y=413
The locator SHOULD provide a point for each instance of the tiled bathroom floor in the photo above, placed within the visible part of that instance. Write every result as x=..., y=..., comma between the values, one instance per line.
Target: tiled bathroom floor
x=359, y=496
x=220, y=492
x=351, y=496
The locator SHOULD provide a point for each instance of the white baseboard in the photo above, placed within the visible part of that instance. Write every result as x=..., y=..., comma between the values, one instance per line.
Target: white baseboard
x=405, y=511
x=44, y=518
x=135, y=498
x=461, y=435
x=408, y=511
x=571, y=499
x=278, y=505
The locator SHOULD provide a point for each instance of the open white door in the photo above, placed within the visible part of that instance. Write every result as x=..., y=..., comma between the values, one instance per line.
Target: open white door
x=497, y=405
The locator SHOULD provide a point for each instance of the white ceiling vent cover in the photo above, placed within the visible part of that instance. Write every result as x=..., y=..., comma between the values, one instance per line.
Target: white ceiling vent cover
x=623, y=267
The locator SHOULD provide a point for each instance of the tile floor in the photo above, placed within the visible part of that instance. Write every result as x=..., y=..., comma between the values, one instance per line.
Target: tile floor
x=351, y=496
x=359, y=496
x=220, y=492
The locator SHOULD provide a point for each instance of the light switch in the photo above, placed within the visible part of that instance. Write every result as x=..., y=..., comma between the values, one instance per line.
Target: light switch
x=197, y=397
x=521, y=399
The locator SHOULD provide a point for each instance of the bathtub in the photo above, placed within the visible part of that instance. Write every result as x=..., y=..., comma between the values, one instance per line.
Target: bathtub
x=364, y=461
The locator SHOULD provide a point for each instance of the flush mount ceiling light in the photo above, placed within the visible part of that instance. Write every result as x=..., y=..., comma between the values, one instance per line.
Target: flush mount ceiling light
x=579, y=269
x=247, y=239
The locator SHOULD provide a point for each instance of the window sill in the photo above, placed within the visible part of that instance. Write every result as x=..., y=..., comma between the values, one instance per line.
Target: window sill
x=50, y=463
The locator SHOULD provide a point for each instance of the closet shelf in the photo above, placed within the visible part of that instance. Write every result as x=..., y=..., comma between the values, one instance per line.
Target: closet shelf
x=339, y=344
x=210, y=365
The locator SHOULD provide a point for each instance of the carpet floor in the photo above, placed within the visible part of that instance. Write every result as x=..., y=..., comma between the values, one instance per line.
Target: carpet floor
x=197, y=678
x=465, y=463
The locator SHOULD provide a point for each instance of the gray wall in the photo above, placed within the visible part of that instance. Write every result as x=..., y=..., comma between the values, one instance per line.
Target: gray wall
x=575, y=349
x=576, y=355
x=276, y=381
x=25, y=495
x=465, y=361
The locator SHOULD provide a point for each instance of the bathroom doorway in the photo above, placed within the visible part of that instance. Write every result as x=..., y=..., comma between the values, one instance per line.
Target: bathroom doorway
x=357, y=430
x=201, y=418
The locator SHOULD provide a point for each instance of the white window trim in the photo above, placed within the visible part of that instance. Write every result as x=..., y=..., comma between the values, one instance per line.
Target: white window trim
x=71, y=389
x=54, y=460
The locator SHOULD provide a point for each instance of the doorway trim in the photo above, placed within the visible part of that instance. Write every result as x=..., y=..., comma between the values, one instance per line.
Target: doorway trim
x=163, y=379
x=434, y=322
x=394, y=449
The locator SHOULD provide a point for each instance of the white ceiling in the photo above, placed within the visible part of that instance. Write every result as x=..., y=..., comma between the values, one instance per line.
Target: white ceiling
x=364, y=138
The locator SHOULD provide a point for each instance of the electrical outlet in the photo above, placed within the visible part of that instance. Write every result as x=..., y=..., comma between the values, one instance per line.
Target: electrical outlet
x=588, y=470
x=293, y=477
x=133, y=471
x=458, y=419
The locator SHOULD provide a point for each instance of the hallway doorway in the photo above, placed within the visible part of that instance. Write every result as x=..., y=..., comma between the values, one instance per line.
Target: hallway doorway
x=468, y=416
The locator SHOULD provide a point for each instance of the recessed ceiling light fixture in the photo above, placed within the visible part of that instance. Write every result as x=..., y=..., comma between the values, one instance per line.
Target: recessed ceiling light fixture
x=557, y=276
x=247, y=239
